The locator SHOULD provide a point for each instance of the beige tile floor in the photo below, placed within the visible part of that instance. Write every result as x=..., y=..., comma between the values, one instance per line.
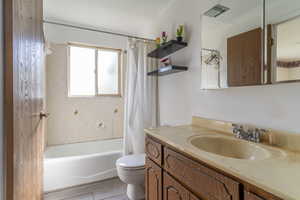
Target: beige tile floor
x=112, y=189
x=92, y=197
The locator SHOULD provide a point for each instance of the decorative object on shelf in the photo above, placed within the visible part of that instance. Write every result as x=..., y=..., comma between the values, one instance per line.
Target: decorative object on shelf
x=157, y=41
x=164, y=37
x=179, y=33
x=167, y=49
x=166, y=70
x=166, y=61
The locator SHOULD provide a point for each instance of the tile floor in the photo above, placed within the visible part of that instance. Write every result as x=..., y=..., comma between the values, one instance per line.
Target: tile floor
x=112, y=189
x=91, y=197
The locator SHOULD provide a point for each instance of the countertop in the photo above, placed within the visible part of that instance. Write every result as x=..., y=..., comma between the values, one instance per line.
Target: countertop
x=278, y=174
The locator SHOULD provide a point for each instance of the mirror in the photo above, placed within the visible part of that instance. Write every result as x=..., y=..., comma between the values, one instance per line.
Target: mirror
x=232, y=41
x=283, y=43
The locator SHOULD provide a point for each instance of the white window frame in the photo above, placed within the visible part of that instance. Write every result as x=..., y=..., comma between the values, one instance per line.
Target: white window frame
x=96, y=49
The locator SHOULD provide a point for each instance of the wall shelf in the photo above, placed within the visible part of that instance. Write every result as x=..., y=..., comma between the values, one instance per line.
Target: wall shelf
x=167, y=49
x=171, y=69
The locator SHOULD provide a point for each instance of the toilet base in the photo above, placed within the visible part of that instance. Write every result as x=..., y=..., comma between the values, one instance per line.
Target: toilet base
x=136, y=192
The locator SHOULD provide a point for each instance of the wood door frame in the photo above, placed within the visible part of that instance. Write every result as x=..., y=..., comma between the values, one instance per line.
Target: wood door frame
x=8, y=125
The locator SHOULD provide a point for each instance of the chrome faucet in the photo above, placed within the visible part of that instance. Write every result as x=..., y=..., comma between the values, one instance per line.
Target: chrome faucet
x=248, y=133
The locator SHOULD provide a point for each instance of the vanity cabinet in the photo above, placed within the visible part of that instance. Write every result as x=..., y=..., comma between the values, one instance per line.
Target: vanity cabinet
x=173, y=175
x=173, y=190
x=154, y=150
x=203, y=181
x=153, y=181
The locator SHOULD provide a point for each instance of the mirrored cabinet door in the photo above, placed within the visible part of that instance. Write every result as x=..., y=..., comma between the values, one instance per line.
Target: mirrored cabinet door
x=283, y=43
x=232, y=44
x=248, y=43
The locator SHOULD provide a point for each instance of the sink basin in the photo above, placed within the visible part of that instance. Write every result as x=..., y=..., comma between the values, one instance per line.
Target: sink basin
x=230, y=147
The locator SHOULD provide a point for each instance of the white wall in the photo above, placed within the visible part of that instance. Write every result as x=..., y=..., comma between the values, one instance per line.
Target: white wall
x=63, y=125
x=176, y=91
x=130, y=16
x=275, y=106
x=62, y=35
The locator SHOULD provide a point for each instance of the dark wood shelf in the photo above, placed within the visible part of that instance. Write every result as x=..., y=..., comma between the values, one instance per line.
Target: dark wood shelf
x=171, y=69
x=167, y=49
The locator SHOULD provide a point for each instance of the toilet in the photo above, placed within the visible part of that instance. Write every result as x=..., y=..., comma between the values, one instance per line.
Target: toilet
x=131, y=170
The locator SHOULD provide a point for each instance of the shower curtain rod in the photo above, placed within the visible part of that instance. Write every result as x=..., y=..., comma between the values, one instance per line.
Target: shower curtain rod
x=95, y=30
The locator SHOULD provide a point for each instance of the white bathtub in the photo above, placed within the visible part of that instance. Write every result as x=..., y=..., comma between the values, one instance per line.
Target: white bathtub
x=76, y=164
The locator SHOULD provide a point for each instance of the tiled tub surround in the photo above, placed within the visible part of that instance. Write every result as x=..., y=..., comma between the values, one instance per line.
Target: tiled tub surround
x=77, y=119
x=277, y=174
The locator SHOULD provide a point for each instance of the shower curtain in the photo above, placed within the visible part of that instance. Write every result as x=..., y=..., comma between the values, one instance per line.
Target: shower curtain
x=141, y=109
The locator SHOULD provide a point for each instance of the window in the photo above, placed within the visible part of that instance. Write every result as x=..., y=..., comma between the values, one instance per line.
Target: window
x=94, y=71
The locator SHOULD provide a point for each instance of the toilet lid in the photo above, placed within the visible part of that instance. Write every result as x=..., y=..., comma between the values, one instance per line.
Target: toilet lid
x=132, y=161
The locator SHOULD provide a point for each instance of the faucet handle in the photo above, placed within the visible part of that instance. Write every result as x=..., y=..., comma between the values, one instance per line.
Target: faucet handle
x=258, y=133
x=237, y=129
x=261, y=131
x=237, y=126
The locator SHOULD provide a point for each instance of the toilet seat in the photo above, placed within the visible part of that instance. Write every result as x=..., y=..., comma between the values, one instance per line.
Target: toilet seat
x=132, y=162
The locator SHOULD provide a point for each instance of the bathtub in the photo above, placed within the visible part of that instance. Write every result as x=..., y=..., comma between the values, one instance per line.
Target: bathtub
x=76, y=164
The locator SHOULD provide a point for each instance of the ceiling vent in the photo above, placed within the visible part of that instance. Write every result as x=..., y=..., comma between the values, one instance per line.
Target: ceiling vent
x=216, y=11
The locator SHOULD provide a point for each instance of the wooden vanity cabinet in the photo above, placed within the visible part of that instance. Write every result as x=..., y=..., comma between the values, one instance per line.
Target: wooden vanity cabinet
x=171, y=175
x=153, y=181
x=154, y=151
x=204, y=182
x=173, y=190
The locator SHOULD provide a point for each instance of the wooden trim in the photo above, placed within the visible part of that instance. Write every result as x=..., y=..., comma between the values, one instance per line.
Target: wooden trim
x=8, y=101
x=95, y=96
x=96, y=73
x=68, y=71
x=120, y=73
x=269, y=54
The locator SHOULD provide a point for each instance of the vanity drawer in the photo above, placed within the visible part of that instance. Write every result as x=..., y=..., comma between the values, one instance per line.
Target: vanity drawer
x=204, y=182
x=251, y=196
x=153, y=150
x=262, y=196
